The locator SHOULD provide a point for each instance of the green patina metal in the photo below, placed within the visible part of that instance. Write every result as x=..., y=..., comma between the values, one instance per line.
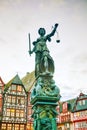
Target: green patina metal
x=45, y=94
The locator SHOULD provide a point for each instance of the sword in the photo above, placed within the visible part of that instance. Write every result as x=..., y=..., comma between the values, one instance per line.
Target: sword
x=29, y=43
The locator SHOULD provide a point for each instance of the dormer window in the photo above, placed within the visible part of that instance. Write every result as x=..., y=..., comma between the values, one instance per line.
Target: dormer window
x=13, y=88
x=19, y=88
x=65, y=107
x=82, y=102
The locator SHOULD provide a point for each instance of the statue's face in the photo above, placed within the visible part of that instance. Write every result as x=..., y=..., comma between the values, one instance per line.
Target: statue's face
x=41, y=31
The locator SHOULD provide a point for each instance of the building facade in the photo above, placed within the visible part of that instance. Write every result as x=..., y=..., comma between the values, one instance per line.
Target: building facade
x=80, y=113
x=65, y=116
x=14, y=115
x=73, y=114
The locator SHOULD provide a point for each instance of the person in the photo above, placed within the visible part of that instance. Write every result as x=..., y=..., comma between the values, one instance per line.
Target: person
x=43, y=60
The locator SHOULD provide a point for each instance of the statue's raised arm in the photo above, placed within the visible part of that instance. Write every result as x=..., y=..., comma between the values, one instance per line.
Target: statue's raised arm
x=52, y=33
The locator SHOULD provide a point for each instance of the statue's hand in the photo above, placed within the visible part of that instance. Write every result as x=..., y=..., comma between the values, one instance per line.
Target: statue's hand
x=56, y=25
x=30, y=52
x=34, y=42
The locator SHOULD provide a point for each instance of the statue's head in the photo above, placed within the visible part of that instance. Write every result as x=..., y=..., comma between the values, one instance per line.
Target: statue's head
x=42, y=31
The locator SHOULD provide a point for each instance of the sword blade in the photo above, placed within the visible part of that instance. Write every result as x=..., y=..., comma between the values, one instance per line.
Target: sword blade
x=29, y=43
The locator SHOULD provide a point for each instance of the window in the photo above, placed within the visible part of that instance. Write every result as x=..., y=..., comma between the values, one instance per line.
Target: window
x=17, y=113
x=19, y=88
x=13, y=88
x=22, y=101
x=9, y=126
x=19, y=100
x=3, y=127
x=21, y=113
x=16, y=127
x=8, y=112
x=12, y=112
x=68, y=117
x=9, y=99
x=81, y=124
x=65, y=107
x=13, y=99
x=82, y=102
x=21, y=127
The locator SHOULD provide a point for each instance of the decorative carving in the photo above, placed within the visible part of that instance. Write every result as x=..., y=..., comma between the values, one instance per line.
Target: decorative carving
x=45, y=88
x=45, y=117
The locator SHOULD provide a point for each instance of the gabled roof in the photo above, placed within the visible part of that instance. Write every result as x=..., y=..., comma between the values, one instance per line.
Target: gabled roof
x=2, y=81
x=29, y=80
x=14, y=80
x=81, y=103
x=82, y=96
x=17, y=80
x=70, y=104
x=74, y=105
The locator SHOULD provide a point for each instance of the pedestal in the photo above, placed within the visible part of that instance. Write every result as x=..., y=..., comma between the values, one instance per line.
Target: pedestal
x=44, y=98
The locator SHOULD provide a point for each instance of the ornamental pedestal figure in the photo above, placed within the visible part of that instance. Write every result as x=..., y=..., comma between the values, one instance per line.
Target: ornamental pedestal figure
x=45, y=94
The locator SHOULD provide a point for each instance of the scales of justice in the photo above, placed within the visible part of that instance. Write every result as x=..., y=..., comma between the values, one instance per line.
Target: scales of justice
x=45, y=93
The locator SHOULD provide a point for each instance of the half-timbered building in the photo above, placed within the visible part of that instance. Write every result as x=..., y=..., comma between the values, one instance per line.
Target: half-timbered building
x=80, y=112
x=73, y=114
x=14, y=105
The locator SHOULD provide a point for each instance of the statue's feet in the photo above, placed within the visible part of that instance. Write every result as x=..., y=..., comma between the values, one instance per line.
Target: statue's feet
x=47, y=73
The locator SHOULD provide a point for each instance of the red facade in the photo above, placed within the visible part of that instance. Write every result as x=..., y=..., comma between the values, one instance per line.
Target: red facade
x=1, y=94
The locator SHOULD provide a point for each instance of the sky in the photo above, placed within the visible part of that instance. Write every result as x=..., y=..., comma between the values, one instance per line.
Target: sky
x=20, y=17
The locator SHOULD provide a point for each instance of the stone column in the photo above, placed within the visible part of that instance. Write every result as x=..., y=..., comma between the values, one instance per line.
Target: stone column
x=44, y=98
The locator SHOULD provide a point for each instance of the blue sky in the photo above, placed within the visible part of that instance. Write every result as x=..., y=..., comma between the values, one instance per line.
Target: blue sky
x=20, y=17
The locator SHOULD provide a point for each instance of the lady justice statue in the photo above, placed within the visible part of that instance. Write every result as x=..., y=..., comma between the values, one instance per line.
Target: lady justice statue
x=44, y=63
x=45, y=93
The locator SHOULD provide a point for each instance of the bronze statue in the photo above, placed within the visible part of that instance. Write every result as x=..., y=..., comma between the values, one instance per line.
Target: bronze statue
x=45, y=94
x=43, y=61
